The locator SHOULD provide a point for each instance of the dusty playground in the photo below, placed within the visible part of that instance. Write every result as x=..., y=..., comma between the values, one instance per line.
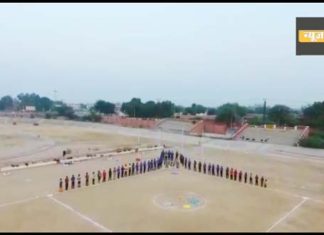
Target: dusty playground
x=30, y=201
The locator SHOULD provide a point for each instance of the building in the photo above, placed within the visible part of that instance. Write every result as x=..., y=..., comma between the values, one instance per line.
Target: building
x=30, y=109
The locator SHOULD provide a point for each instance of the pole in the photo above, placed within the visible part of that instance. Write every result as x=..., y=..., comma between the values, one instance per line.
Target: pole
x=264, y=110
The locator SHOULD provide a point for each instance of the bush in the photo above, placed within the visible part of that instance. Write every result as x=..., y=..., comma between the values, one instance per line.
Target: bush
x=313, y=141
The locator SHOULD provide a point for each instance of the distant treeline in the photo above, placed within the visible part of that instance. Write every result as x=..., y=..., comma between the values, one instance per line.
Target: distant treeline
x=312, y=115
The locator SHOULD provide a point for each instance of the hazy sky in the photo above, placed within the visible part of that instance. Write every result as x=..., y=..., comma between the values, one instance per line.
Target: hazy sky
x=204, y=53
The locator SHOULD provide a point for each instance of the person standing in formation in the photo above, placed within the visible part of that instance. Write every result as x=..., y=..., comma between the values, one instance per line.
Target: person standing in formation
x=149, y=165
x=204, y=166
x=109, y=174
x=245, y=177
x=79, y=181
x=189, y=164
x=261, y=181
x=99, y=176
x=165, y=159
x=217, y=169
x=231, y=173
x=251, y=178
x=122, y=171
x=240, y=176
x=136, y=167
x=144, y=167
x=209, y=169
x=61, y=185
x=133, y=168
x=227, y=172
x=115, y=172
x=199, y=166
x=177, y=164
x=235, y=174
x=221, y=171
x=213, y=169
x=66, y=183
x=72, y=182
x=129, y=169
x=154, y=164
x=256, y=180
x=93, y=177
x=118, y=172
x=87, y=179
x=104, y=175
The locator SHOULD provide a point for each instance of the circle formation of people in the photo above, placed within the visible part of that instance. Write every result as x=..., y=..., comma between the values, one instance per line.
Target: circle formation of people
x=167, y=159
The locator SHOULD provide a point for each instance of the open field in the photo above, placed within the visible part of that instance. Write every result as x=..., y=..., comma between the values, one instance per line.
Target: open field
x=30, y=201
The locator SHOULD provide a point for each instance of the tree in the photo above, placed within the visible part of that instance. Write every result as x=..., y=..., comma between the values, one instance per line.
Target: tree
x=256, y=121
x=150, y=109
x=65, y=111
x=41, y=103
x=256, y=109
x=230, y=112
x=179, y=109
x=313, y=115
x=195, y=108
x=102, y=106
x=211, y=111
x=44, y=104
x=6, y=103
x=132, y=108
x=281, y=115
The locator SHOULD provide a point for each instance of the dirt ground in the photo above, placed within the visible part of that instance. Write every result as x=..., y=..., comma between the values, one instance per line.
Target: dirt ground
x=30, y=201
x=25, y=143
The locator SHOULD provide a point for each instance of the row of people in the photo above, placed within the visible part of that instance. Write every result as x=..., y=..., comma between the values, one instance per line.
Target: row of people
x=167, y=158
x=212, y=169
x=218, y=170
x=112, y=174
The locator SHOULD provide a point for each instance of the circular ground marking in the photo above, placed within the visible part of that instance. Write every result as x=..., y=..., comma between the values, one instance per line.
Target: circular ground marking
x=185, y=201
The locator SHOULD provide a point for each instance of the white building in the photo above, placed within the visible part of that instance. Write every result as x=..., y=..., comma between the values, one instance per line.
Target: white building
x=30, y=108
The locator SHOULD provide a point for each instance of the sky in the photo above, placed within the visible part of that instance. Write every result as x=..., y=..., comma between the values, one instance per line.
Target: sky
x=209, y=53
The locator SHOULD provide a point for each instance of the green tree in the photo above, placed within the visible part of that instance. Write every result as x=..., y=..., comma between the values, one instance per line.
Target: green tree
x=195, y=108
x=6, y=103
x=313, y=115
x=150, y=109
x=102, y=106
x=211, y=111
x=132, y=108
x=179, y=108
x=230, y=113
x=281, y=115
x=65, y=111
x=41, y=103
